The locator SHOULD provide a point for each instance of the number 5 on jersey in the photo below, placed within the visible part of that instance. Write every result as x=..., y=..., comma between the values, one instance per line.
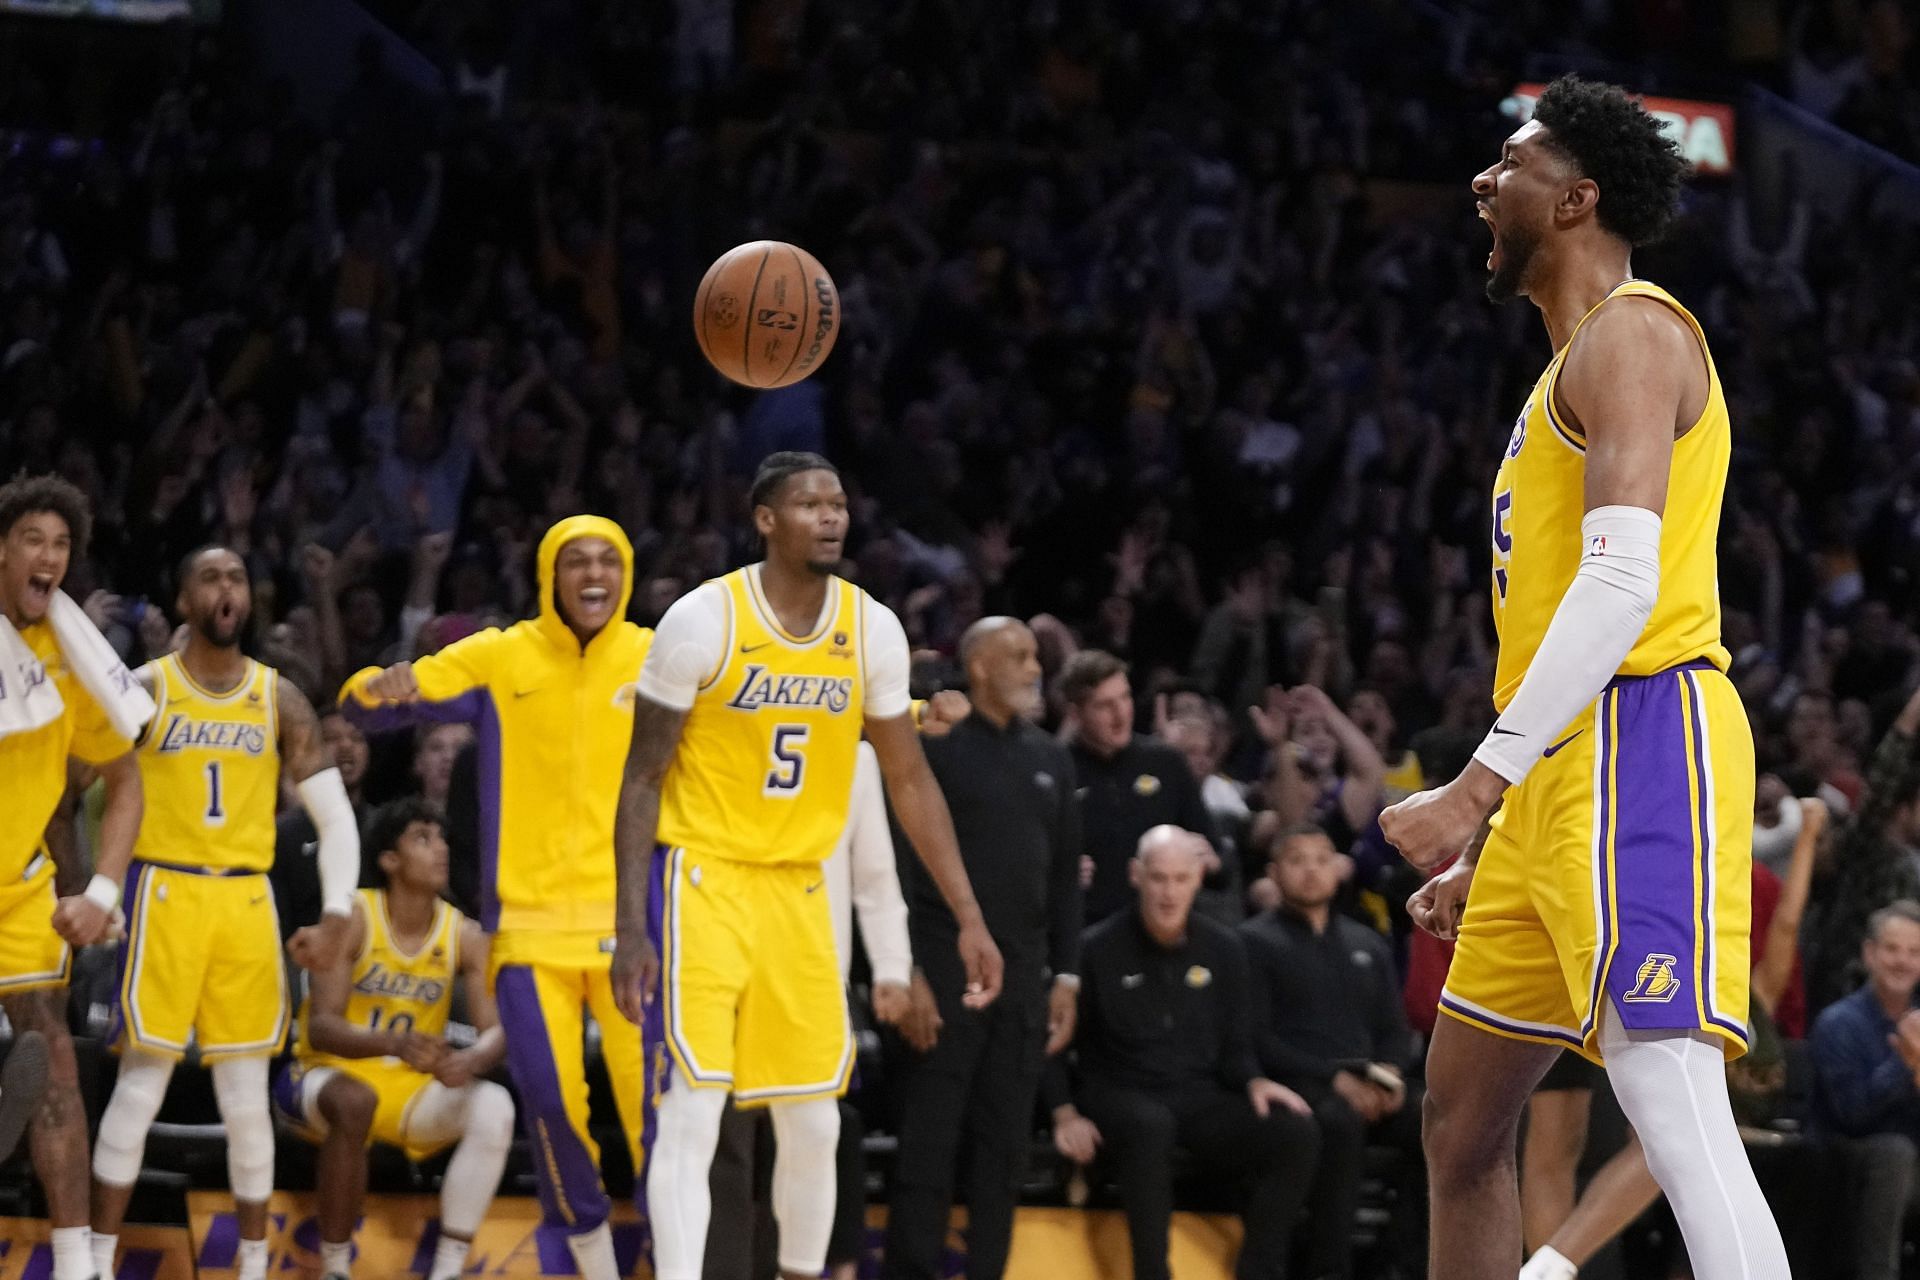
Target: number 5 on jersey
x=789, y=765
x=1502, y=540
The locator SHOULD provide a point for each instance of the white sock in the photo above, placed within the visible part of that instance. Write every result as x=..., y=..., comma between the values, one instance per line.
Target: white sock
x=480, y=1118
x=73, y=1253
x=1549, y=1264
x=252, y=1262
x=805, y=1181
x=336, y=1257
x=104, y=1247
x=593, y=1254
x=1673, y=1087
x=450, y=1258
x=679, y=1199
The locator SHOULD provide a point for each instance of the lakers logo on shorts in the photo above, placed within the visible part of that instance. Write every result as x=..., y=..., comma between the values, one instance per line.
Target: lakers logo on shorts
x=1654, y=982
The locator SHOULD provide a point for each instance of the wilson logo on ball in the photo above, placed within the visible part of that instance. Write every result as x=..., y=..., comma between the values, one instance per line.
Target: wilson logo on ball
x=751, y=300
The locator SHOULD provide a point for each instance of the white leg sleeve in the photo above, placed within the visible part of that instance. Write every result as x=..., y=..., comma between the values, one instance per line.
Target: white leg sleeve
x=678, y=1200
x=1673, y=1087
x=240, y=1087
x=806, y=1180
x=480, y=1118
x=137, y=1095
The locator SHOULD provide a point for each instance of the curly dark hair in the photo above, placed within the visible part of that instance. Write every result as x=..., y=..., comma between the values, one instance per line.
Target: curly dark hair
x=390, y=822
x=1610, y=137
x=26, y=495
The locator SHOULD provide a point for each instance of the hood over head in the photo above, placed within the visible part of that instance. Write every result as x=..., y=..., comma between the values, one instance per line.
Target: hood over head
x=569, y=530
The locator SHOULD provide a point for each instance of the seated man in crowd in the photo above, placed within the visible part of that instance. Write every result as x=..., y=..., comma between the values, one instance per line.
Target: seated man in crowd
x=1866, y=1058
x=1329, y=1024
x=1166, y=1062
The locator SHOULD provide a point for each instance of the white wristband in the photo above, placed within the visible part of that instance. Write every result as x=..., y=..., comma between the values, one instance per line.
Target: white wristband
x=103, y=892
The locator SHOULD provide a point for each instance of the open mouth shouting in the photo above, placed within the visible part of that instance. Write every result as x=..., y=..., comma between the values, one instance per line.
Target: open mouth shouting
x=1493, y=255
x=595, y=600
x=40, y=588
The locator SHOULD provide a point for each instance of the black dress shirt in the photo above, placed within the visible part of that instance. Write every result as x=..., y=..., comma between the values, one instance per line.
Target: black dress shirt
x=1323, y=1002
x=1011, y=793
x=1163, y=1019
x=1143, y=785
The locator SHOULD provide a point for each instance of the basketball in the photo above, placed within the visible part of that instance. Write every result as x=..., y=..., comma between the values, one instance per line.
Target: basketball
x=766, y=314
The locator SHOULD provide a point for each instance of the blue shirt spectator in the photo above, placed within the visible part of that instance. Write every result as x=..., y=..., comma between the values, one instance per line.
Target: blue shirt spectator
x=1866, y=1048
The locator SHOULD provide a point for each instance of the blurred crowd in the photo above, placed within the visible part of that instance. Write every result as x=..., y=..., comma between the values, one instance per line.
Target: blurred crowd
x=1184, y=359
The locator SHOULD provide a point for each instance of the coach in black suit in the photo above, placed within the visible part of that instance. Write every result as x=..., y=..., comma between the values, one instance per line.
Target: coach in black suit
x=974, y=1074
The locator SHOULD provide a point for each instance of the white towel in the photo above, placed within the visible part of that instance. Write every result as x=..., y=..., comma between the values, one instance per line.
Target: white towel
x=28, y=699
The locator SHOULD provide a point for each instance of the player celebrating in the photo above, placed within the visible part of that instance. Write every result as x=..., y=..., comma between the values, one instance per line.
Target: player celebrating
x=1608, y=908
x=372, y=1061
x=751, y=708
x=202, y=954
x=52, y=708
x=551, y=701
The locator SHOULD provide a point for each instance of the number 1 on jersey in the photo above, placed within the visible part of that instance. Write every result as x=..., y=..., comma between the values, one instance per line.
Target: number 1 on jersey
x=789, y=765
x=216, y=812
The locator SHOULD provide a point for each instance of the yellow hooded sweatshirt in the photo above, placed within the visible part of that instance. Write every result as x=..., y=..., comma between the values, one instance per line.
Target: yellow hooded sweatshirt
x=552, y=721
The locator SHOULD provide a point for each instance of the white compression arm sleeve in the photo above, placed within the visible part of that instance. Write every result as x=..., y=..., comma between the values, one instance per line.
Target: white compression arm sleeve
x=325, y=798
x=1593, y=630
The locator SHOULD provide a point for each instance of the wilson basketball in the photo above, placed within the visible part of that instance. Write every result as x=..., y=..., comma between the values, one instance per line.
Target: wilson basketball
x=766, y=314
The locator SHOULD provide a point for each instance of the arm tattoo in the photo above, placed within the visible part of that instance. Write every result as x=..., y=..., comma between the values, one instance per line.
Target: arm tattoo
x=303, y=752
x=656, y=736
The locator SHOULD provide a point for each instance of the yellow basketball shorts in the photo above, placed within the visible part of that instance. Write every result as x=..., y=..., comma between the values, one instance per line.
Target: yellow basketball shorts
x=201, y=956
x=751, y=994
x=1620, y=869
x=396, y=1086
x=32, y=955
x=545, y=984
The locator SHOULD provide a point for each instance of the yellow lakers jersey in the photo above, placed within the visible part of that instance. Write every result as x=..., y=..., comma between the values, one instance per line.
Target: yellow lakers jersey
x=396, y=990
x=210, y=768
x=765, y=766
x=1539, y=502
x=33, y=765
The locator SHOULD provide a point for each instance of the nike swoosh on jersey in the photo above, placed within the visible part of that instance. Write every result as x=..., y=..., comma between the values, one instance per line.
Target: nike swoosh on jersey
x=1511, y=733
x=755, y=648
x=1563, y=742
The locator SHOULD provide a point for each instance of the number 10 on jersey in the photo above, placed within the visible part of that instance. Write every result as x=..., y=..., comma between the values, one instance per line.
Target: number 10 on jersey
x=789, y=769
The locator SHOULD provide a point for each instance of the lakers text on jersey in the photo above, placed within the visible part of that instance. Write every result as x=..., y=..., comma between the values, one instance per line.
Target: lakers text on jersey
x=202, y=952
x=1619, y=869
x=393, y=990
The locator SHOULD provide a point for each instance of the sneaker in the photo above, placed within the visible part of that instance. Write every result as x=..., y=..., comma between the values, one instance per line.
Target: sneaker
x=23, y=1082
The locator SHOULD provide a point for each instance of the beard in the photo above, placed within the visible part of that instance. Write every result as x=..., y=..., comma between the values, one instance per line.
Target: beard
x=222, y=636
x=823, y=568
x=1517, y=248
